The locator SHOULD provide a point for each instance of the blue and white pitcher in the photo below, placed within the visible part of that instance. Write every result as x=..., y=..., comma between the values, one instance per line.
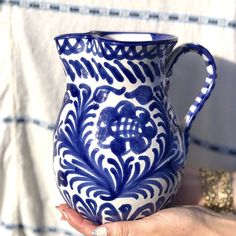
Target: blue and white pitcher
x=119, y=150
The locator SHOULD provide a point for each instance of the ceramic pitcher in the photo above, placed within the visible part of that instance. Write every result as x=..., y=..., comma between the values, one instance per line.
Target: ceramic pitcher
x=119, y=150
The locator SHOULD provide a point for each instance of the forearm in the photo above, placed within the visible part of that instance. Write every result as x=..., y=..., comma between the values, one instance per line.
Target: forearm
x=234, y=189
x=191, y=192
x=223, y=224
x=226, y=224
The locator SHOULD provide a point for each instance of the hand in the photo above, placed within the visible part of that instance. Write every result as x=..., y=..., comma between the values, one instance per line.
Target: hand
x=186, y=220
x=190, y=192
x=177, y=221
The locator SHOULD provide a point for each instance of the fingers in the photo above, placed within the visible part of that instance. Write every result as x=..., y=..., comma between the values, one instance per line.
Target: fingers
x=141, y=227
x=125, y=228
x=116, y=229
x=76, y=220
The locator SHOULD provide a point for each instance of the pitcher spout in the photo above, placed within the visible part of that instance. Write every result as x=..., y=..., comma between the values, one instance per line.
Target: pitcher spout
x=119, y=151
x=112, y=56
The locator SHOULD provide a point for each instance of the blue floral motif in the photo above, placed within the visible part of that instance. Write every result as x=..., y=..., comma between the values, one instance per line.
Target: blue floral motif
x=124, y=129
x=126, y=124
x=90, y=210
x=119, y=151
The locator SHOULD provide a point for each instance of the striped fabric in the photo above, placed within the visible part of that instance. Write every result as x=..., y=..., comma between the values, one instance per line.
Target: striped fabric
x=32, y=86
x=124, y=13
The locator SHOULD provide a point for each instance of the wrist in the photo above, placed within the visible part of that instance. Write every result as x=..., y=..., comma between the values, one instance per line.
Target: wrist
x=217, y=188
x=190, y=192
x=234, y=189
x=224, y=225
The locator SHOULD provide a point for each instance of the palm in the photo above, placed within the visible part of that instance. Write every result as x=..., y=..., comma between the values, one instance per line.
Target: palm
x=168, y=222
x=183, y=220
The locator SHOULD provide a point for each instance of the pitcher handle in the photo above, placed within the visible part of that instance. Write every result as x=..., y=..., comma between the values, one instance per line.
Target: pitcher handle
x=207, y=86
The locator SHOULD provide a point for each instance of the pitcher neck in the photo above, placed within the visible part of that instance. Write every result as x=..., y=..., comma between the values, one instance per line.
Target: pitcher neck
x=101, y=56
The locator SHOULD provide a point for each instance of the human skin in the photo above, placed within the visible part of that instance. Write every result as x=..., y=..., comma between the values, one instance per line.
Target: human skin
x=186, y=217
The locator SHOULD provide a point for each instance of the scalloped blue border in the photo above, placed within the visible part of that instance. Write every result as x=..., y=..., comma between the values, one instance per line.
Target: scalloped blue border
x=123, y=13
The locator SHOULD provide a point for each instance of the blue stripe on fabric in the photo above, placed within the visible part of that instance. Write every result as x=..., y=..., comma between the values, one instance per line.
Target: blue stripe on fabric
x=36, y=230
x=213, y=147
x=26, y=119
x=123, y=13
x=50, y=126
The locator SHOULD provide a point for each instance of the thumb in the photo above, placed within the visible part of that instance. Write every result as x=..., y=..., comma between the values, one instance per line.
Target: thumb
x=124, y=228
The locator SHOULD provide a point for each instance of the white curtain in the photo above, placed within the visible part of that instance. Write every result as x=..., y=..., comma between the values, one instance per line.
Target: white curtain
x=32, y=84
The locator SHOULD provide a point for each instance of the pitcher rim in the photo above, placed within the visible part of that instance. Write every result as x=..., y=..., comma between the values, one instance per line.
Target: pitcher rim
x=100, y=35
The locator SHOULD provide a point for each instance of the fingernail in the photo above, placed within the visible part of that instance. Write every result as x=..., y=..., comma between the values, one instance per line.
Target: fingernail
x=63, y=214
x=100, y=231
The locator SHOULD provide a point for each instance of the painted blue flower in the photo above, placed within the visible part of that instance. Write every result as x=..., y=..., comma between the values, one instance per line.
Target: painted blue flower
x=125, y=128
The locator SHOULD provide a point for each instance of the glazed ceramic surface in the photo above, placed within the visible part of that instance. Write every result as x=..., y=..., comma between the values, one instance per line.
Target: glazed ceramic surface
x=119, y=150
